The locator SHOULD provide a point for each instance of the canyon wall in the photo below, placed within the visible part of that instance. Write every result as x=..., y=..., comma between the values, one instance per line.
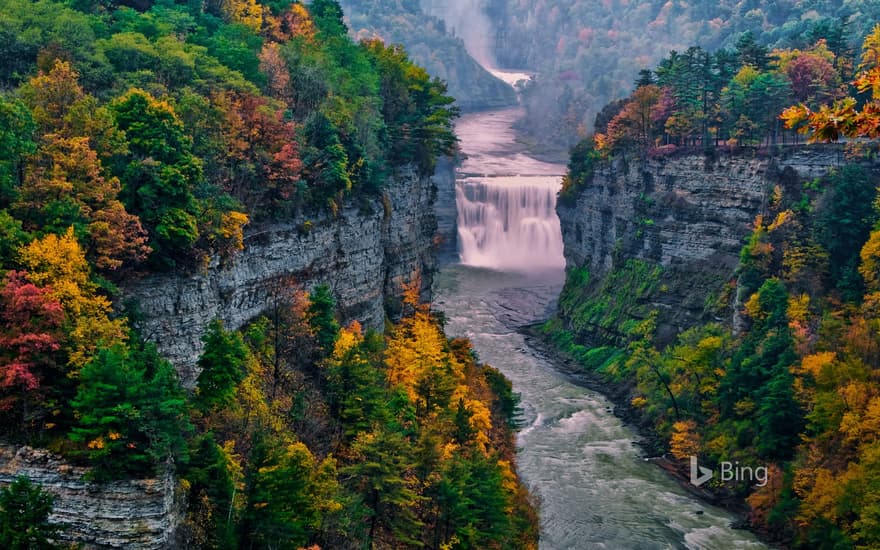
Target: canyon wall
x=688, y=213
x=140, y=513
x=365, y=254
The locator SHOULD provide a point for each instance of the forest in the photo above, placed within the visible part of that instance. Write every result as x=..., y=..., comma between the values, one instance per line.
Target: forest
x=588, y=53
x=795, y=383
x=432, y=44
x=143, y=137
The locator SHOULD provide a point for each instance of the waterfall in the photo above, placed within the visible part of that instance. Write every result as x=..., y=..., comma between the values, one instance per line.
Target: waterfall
x=509, y=222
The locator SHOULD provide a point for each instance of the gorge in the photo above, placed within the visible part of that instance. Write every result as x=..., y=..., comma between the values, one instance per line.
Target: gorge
x=266, y=283
x=581, y=461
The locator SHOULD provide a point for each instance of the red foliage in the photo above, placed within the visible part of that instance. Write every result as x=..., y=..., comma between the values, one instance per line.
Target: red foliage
x=30, y=328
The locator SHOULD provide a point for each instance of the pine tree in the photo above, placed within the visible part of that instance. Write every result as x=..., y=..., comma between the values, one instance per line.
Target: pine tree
x=222, y=367
x=321, y=317
x=24, y=517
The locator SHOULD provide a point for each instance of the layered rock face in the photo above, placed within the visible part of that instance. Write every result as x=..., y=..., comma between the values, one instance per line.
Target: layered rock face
x=689, y=213
x=124, y=514
x=447, y=213
x=366, y=254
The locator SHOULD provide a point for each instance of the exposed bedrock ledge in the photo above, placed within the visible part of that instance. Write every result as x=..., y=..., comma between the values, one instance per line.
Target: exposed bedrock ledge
x=140, y=513
x=365, y=255
x=689, y=213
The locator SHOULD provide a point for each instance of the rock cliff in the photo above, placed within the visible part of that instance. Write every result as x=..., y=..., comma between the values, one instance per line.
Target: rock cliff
x=124, y=514
x=688, y=214
x=365, y=255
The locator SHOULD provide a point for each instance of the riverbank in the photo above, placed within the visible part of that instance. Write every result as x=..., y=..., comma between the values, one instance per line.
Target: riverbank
x=620, y=394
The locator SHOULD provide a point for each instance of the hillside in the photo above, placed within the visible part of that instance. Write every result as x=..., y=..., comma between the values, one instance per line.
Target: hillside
x=726, y=282
x=433, y=46
x=216, y=239
x=588, y=53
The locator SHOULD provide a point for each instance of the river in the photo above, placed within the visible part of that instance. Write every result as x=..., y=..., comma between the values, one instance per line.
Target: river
x=596, y=489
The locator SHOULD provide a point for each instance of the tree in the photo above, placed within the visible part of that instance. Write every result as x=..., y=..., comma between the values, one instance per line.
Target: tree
x=222, y=365
x=24, y=517
x=752, y=53
x=131, y=412
x=843, y=118
x=58, y=263
x=417, y=112
x=159, y=173
x=30, y=336
x=16, y=143
x=635, y=123
x=322, y=319
x=289, y=495
x=382, y=473
x=472, y=502
x=355, y=385
x=66, y=187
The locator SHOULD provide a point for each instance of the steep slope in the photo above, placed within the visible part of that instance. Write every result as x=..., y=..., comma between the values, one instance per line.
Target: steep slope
x=366, y=255
x=687, y=215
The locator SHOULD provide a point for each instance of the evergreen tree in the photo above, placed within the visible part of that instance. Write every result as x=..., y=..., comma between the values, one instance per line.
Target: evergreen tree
x=131, y=412
x=24, y=517
x=321, y=317
x=222, y=367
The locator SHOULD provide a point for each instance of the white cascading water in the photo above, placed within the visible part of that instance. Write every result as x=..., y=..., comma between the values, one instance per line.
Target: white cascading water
x=509, y=223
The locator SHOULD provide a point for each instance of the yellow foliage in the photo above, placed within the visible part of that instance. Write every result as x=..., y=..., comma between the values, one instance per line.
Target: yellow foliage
x=862, y=426
x=416, y=345
x=638, y=402
x=776, y=195
x=349, y=337
x=814, y=364
x=799, y=308
x=685, y=441
x=870, y=266
x=820, y=492
x=781, y=218
x=753, y=307
x=481, y=421
x=247, y=12
x=60, y=264
x=232, y=228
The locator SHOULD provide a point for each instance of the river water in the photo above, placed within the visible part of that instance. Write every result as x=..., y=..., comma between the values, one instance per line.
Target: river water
x=596, y=490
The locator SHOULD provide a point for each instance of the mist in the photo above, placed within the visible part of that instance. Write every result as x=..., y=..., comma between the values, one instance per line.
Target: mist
x=466, y=20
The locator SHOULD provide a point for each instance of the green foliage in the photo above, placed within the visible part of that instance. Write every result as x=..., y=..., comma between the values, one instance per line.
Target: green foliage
x=380, y=475
x=355, y=388
x=472, y=502
x=288, y=493
x=24, y=517
x=131, y=412
x=417, y=112
x=211, y=481
x=845, y=215
x=159, y=173
x=583, y=160
x=16, y=142
x=222, y=365
x=12, y=238
x=322, y=317
x=618, y=297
